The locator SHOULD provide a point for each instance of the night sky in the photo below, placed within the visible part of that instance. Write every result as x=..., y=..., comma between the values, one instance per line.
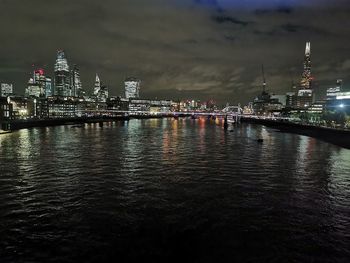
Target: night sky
x=179, y=48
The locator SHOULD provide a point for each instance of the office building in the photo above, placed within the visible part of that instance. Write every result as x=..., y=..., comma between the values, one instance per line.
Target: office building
x=48, y=87
x=76, y=85
x=100, y=91
x=132, y=88
x=333, y=91
x=6, y=89
x=62, y=76
x=97, y=86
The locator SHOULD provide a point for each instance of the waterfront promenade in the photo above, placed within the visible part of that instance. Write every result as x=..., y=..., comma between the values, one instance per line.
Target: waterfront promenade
x=340, y=137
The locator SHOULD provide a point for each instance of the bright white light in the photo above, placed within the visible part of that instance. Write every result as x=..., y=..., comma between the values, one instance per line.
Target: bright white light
x=341, y=105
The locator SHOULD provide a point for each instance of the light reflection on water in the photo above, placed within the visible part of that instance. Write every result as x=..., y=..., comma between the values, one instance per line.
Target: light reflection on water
x=166, y=188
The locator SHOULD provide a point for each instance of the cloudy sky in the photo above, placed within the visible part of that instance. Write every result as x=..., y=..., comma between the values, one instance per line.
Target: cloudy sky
x=179, y=48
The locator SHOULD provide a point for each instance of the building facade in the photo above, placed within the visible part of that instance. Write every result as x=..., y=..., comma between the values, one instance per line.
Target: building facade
x=333, y=91
x=118, y=104
x=5, y=109
x=61, y=107
x=48, y=87
x=132, y=88
x=291, y=100
x=6, y=90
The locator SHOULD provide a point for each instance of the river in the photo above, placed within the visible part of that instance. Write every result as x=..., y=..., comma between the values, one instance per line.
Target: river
x=172, y=191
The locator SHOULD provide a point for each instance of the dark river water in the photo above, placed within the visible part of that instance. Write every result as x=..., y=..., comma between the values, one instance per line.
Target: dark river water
x=167, y=190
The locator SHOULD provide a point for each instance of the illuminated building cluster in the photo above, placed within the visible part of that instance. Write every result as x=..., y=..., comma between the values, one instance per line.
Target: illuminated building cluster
x=39, y=85
x=64, y=97
x=196, y=105
x=300, y=102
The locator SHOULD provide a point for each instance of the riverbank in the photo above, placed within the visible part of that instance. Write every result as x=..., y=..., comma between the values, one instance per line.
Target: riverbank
x=14, y=125
x=334, y=136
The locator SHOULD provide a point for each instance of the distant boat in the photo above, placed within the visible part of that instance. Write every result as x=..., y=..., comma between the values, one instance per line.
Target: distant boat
x=231, y=119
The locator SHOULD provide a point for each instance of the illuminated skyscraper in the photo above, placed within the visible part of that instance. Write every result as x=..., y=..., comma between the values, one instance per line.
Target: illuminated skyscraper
x=62, y=76
x=305, y=96
x=97, y=85
x=306, y=76
x=132, y=88
x=102, y=95
x=76, y=85
x=100, y=91
x=48, y=87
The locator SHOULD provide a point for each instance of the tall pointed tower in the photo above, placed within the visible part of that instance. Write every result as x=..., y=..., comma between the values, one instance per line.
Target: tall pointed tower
x=306, y=76
x=97, y=85
x=306, y=95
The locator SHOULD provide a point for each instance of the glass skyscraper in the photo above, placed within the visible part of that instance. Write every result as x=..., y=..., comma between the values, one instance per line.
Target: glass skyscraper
x=62, y=76
x=76, y=85
x=306, y=76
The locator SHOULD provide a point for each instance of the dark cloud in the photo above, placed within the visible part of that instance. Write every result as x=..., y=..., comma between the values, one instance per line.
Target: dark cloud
x=228, y=19
x=281, y=10
x=202, y=49
x=312, y=30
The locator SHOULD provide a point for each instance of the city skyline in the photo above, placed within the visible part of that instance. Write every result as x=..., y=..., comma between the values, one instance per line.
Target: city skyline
x=221, y=61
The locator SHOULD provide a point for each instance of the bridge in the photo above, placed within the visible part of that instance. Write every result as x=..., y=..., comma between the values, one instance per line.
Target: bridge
x=231, y=110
